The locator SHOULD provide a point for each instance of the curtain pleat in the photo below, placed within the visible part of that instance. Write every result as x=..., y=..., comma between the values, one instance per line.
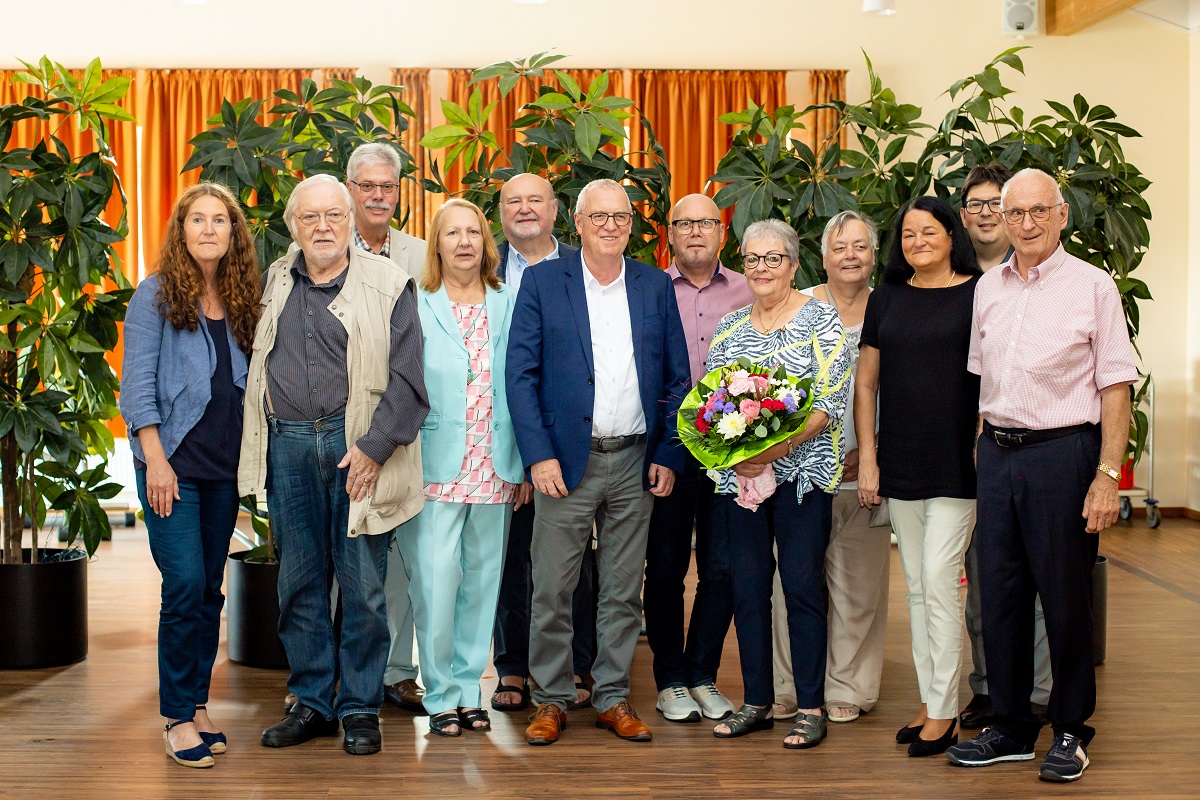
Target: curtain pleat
x=824, y=85
x=418, y=203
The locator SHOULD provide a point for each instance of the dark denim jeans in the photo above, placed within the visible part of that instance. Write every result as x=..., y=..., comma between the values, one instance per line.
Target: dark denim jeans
x=189, y=548
x=306, y=495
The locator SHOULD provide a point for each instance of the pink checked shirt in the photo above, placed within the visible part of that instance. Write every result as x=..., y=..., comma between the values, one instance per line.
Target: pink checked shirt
x=701, y=309
x=1044, y=348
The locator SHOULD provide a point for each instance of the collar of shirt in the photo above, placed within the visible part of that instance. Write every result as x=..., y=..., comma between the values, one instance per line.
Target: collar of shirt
x=1037, y=272
x=300, y=272
x=676, y=274
x=515, y=258
x=589, y=280
x=361, y=244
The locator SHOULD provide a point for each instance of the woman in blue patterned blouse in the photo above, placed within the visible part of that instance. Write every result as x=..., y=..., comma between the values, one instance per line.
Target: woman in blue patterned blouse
x=784, y=327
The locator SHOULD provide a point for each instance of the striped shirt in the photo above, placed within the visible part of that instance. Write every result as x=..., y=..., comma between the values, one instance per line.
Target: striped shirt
x=811, y=345
x=306, y=369
x=1046, y=346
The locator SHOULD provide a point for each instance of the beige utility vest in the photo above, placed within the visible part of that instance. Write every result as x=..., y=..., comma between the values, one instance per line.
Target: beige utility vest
x=364, y=306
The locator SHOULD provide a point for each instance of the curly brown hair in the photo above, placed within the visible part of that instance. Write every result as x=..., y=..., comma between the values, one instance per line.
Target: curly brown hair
x=181, y=283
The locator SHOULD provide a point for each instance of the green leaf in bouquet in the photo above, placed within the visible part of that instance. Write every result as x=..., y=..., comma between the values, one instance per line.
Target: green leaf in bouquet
x=761, y=431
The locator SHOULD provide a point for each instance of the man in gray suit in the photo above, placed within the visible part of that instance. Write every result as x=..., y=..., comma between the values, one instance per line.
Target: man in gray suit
x=528, y=208
x=373, y=178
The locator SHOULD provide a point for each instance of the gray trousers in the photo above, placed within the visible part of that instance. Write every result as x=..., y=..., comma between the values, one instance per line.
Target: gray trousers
x=1042, y=680
x=610, y=494
x=401, y=664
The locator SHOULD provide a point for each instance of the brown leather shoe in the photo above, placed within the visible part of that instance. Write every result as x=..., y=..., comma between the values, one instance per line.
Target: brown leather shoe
x=622, y=720
x=545, y=724
x=407, y=694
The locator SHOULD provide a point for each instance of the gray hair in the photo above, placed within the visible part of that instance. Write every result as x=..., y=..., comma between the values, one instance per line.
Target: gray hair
x=599, y=183
x=774, y=229
x=289, y=211
x=838, y=223
x=1031, y=172
x=373, y=153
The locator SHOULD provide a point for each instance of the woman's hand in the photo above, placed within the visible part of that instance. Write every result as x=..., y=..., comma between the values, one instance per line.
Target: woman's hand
x=162, y=487
x=524, y=496
x=750, y=468
x=868, y=483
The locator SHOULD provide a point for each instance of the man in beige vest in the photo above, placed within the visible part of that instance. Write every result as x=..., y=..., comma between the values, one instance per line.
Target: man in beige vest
x=334, y=400
x=373, y=178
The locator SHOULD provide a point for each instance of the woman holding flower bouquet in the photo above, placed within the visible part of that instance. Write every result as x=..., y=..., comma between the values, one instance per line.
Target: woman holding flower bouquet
x=913, y=353
x=788, y=330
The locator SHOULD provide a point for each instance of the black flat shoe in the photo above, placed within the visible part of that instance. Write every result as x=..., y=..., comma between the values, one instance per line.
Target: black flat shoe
x=362, y=736
x=977, y=714
x=301, y=724
x=926, y=747
x=908, y=734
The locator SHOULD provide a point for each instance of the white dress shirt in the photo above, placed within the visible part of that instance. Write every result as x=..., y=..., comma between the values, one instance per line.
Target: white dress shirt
x=516, y=265
x=618, y=406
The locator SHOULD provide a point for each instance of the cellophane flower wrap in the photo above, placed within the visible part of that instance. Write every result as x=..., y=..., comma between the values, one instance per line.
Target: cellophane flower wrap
x=740, y=410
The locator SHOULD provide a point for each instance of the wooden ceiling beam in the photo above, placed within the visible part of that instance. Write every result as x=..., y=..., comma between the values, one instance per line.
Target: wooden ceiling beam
x=1065, y=17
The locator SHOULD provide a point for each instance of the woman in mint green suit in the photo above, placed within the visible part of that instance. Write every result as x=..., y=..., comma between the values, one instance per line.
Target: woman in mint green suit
x=472, y=470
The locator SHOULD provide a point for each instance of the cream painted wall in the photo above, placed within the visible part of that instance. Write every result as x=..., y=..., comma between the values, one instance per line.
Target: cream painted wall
x=1147, y=71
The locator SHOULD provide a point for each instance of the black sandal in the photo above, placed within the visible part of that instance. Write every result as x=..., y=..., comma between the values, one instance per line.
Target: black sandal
x=810, y=729
x=439, y=724
x=747, y=719
x=502, y=688
x=581, y=686
x=467, y=717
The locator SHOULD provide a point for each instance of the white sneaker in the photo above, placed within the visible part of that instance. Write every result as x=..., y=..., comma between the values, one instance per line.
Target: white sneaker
x=714, y=704
x=677, y=706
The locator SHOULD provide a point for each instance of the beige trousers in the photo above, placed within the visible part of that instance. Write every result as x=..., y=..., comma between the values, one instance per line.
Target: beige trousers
x=856, y=571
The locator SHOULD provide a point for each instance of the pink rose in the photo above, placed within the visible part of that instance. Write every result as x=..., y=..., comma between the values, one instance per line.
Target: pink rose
x=749, y=409
x=761, y=382
x=740, y=383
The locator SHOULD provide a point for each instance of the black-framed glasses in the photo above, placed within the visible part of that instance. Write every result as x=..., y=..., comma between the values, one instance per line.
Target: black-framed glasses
x=771, y=260
x=367, y=187
x=333, y=217
x=706, y=225
x=976, y=206
x=601, y=218
x=1015, y=216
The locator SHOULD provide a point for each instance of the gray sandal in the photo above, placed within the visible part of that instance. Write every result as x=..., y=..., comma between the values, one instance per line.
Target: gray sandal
x=747, y=719
x=810, y=728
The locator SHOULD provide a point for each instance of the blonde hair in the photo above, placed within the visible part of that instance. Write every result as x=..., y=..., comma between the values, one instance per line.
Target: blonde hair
x=489, y=270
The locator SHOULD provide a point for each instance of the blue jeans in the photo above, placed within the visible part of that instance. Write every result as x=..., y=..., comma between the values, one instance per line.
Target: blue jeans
x=189, y=548
x=306, y=495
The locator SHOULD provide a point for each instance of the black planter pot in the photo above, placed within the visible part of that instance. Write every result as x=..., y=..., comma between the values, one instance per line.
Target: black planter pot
x=252, y=613
x=47, y=605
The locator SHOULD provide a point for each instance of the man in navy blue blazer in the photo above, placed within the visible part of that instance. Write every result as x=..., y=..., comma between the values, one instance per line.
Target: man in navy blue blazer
x=597, y=367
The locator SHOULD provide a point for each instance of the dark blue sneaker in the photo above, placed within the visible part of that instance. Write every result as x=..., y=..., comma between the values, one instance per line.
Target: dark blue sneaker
x=989, y=747
x=1066, y=760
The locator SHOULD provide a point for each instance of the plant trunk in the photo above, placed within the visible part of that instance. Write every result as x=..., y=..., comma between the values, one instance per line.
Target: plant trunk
x=13, y=524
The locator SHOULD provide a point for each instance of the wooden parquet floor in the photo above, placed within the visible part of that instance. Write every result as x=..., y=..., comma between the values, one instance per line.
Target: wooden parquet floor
x=92, y=730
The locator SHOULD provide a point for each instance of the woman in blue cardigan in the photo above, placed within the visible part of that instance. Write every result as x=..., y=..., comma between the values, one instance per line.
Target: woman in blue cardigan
x=455, y=547
x=187, y=330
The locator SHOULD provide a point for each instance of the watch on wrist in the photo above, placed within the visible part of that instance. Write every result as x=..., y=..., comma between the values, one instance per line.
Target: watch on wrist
x=1109, y=471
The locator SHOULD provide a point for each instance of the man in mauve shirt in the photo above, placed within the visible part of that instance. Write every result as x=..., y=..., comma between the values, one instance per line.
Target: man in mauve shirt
x=1050, y=345
x=686, y=676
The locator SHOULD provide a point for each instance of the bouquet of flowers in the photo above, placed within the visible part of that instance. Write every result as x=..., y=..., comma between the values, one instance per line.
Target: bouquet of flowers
x=740, y=410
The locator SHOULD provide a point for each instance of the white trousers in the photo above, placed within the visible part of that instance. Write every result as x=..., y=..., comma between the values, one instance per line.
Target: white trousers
x=932, y=536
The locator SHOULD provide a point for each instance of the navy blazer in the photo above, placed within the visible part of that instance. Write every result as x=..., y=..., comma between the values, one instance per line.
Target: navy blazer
x=550, y=370
x=564, y=249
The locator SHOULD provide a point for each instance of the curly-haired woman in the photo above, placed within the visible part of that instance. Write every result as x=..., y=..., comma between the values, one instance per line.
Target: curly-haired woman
x=187, y=330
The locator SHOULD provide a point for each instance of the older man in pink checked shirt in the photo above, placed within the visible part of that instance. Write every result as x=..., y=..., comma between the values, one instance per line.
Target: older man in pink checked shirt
x=1050, y=345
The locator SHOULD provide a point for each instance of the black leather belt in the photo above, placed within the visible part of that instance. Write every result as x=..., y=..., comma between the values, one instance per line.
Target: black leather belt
x=611, y=444
x=1018, y=437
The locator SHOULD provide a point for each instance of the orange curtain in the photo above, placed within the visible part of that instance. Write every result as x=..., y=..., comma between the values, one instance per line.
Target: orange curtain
x=507, y=109
x=174, y=106
x=419, y=204
x=824, y=86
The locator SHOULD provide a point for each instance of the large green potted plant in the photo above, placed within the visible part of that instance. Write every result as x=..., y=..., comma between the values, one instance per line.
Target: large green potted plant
x=252, y=597
x=892, y=156
x=570, y=135
x=56, y=389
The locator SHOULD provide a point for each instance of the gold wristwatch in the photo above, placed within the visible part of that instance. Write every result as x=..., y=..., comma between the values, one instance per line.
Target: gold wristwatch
x=1109, y=471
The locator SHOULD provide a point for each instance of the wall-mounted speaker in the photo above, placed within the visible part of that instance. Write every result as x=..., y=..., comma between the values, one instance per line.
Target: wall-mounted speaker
x=1020, y=17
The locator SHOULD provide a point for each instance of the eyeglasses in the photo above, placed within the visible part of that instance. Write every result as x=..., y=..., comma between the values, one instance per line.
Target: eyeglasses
x=976, y=206
x=771, y=260
x=706, y=225
x=600, y=218
x=311, y=218
x=1015, y=216
x=366, y=187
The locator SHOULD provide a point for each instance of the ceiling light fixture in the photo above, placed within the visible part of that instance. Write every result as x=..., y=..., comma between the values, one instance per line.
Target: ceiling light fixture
x=884, y=8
